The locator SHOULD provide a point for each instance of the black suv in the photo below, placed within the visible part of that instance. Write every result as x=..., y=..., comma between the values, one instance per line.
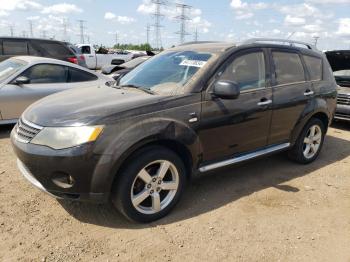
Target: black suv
x=191, y=109
x=17, y=46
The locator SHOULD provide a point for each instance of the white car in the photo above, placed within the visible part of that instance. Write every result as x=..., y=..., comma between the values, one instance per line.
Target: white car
x=26, y=79
x=95, y=60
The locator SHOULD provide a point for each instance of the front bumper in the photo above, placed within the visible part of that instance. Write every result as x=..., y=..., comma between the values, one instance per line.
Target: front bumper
x=40, y=165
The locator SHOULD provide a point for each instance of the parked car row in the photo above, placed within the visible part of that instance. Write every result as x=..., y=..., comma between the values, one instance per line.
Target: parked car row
x=191, y=109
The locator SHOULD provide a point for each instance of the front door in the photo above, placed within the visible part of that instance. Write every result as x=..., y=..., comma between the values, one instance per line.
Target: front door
x=230, y=127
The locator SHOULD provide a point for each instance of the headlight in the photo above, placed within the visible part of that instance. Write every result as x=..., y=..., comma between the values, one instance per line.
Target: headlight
x=65, y=137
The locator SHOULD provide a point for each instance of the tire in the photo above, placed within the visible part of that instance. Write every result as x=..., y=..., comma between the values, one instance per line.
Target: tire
x=154, y=193
x=308, y=142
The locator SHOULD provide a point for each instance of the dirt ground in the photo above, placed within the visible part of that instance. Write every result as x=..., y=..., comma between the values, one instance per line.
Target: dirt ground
x=266, y=210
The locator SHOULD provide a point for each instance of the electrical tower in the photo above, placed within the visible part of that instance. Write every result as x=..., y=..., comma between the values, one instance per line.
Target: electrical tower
x=148, y=29
x=116, y=38
x=82, y=37
x=65, y=25
x=31, y=28
x=12, y=29
x=316, y=40
x=157, y=26
x=183, y=18
x=195, y=38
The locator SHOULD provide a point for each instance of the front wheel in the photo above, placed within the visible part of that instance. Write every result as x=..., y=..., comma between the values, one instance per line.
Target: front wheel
x=150, y=184
x=309, y=143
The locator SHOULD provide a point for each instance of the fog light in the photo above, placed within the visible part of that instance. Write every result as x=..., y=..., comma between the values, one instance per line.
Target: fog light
x=63, y=180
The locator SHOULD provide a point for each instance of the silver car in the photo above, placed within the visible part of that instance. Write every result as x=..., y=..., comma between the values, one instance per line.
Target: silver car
x=25, y=79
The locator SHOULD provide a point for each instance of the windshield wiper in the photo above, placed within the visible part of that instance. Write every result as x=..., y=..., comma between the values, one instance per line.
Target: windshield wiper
x=140, y=88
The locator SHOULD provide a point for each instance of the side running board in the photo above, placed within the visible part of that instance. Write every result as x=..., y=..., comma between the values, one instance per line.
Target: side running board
x=245, y=157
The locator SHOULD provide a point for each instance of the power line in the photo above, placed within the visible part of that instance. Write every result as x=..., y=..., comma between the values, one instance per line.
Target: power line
x=82, y=37
x=157, y=26
x=183, y=18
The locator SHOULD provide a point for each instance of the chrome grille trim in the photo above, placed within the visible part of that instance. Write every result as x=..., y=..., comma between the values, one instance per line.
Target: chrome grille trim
x=26, y=131
x=343, y=99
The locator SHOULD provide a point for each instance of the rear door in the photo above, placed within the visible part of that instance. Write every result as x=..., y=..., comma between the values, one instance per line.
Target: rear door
x=292, y=93
x=234, y=126
x=45, y=79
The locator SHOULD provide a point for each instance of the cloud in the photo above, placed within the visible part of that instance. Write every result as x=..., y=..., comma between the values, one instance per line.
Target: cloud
x=245, y=10
x=13, y=5
x=344, y=27
x=294, y=21
x=63, y=8
x=201, y=24
x=329, y=1
x=120, y=19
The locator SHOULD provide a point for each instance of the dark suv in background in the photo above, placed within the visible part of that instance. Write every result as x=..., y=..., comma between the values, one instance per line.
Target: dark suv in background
x=191, y=109
x=340, y=63
x=14, y=46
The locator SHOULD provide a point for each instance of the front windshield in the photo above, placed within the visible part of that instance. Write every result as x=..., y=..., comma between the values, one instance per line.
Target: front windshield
x=166, y=73
x=9, y=67
x=344, y=73
x=135, y=62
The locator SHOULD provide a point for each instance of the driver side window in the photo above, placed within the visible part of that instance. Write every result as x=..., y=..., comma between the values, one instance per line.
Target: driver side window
x=247, y=70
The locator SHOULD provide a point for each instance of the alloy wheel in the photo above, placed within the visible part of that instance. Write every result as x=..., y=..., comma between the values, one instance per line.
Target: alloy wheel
x=312, y=141
x=154, y=187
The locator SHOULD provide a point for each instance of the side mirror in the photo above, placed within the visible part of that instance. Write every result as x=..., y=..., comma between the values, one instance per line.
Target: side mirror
x=226, y=89
x=22, y=80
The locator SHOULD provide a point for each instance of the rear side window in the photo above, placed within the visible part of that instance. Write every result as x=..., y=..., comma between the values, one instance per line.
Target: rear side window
x=86, y=50
x=15, y=48
x=248, y=71
x=56, y=49
x=46, y=73
x=76, y=75
x=314, y=66
x=288, y=67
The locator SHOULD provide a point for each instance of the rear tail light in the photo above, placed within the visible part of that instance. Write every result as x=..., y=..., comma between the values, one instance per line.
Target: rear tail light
x=73, y=60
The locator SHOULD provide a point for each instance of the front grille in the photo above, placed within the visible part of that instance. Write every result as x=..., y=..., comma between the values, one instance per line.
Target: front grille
x=343, y=99
x=26, y=131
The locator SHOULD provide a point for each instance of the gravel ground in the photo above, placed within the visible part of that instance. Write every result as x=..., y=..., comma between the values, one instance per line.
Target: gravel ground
x=266, y=210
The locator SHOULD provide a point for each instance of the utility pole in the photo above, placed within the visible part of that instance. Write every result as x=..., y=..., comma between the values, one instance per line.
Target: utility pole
x=316, y=40
x=157, y=26
x=196, y=35
x=183, y=18
x=43, y=33
x=24, y=33
x=116, y=38
x=12, y=30
x=31, y=28
x=148, y=29
x=82, y=38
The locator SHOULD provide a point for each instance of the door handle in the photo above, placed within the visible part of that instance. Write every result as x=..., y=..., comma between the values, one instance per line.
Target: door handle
x=265, y=102
x=308, y=93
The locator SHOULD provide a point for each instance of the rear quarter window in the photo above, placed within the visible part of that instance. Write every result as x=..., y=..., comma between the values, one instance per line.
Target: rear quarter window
x=288, y=68
x=55, y=49
x=314, y=66
x=76, y=75
x=15, y=48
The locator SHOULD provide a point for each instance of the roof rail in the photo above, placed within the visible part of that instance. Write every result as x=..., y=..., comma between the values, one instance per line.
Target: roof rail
x=198, y=42
x=276, y=40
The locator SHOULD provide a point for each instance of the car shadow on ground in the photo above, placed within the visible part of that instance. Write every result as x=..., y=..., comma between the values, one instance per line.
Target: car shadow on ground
x=216, y=189
x=5, y=131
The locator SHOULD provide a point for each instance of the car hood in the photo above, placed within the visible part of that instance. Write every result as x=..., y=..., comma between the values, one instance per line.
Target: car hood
x=339, y=60
x=89, y=105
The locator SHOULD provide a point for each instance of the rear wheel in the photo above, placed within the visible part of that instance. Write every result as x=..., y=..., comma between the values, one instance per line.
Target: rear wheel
x=150, y=184
x=309, y=143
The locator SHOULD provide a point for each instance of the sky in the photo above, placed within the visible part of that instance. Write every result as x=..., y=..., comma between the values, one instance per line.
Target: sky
x=220, y=20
